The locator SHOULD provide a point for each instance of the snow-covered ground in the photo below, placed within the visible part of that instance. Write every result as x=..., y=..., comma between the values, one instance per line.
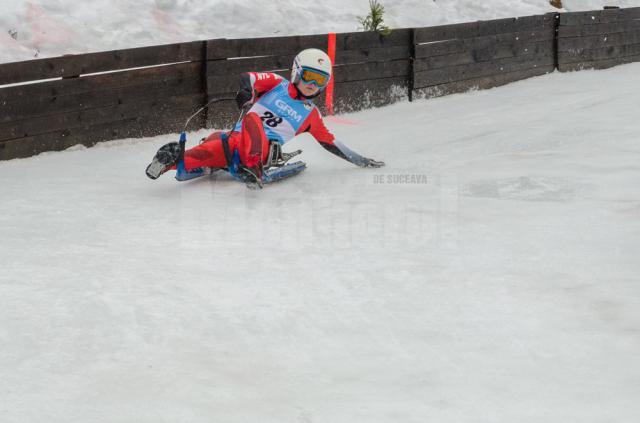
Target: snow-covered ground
x=504, y=288
x=45, y=28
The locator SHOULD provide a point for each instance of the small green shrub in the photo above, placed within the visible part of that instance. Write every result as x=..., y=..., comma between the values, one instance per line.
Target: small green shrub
x=374, y=21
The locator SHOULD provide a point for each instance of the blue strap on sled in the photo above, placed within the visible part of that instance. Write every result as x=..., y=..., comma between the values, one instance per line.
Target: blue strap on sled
x=234, y=164
x=232, y=159
x=182, y=174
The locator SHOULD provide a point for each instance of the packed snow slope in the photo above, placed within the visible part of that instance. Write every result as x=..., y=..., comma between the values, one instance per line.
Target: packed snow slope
x=503, y=288
x=38, y=28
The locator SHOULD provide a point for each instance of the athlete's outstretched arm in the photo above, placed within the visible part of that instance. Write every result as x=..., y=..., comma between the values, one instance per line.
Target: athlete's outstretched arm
x=341, y=150
x=331, y=144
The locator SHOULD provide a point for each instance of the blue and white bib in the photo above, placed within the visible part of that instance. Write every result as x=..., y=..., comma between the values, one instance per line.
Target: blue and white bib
x=282, y=116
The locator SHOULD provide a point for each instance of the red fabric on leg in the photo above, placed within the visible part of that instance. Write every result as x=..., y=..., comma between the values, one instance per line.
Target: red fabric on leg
x=208, y=154
x=254, y=145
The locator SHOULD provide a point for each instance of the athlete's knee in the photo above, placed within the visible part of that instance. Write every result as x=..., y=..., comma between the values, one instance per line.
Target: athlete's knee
x=252, y=125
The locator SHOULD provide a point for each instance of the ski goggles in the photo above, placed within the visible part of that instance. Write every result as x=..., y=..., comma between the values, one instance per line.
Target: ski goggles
x=314, y=76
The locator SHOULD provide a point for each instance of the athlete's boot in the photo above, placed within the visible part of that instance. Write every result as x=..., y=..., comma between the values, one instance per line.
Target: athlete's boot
x=167, y=156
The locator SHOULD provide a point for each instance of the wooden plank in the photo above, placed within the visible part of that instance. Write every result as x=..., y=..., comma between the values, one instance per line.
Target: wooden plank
x=598, y=29
x=368, y=39
x=57, y=141
x=477, y=70
x=446, y=32
x=291, y=45
x=160, y=75
x=62, y=121
x=359, y=95
x=24, y=108
x=599, y=64
x=74, y=65
x=249, y=47
x=342, y=73
x=607, y=53
x=371, y=71
x=598, y=41
x=384, y=54
x=441, y=48
x=217, y=85
x=284, y=62
x=517, y=24
x=484, y=55
x=249, y=64
x=479, y=83
x=482, y=43
x=142, y=126
x=594, y=17
x=484, y=28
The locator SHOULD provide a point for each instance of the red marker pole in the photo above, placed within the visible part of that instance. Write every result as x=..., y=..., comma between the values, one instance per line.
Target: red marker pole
x=331, y=51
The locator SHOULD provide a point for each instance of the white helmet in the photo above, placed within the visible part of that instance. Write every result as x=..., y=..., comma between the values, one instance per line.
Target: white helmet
x=312, y=66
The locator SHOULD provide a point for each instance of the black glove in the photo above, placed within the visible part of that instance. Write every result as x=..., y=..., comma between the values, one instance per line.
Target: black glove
x=366, y=162
x=244, y=97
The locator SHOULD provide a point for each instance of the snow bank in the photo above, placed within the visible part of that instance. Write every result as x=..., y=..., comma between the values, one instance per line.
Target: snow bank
x=32, y=28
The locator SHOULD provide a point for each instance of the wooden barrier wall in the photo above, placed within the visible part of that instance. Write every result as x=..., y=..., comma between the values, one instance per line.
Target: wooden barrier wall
x=598, y=40
x=52, y=104
x=85, y=109
x=456, y=58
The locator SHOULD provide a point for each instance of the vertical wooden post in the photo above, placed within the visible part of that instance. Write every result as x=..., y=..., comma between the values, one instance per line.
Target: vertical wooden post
x=205, y=85
x=556, y=29
x=412, y=58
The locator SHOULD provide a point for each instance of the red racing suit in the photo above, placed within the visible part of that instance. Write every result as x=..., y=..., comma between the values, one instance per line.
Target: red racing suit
x=278, y=113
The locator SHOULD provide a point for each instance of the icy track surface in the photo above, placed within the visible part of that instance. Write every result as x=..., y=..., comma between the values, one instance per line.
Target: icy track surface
x=504, y=289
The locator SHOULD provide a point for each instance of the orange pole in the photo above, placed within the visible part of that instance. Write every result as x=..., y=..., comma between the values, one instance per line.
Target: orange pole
x=331, y=51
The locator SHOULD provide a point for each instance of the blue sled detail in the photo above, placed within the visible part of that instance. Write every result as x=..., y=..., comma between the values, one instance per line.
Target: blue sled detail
x=286, y=171
x=235, y=164
x=182, y=174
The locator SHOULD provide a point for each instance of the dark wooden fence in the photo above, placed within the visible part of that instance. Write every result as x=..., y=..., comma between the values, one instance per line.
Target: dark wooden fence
x=52, y=104
x=455, y=58
x=598, y=40
x=82, y=107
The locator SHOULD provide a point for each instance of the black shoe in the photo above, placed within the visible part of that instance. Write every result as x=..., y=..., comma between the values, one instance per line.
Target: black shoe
x=168, y=155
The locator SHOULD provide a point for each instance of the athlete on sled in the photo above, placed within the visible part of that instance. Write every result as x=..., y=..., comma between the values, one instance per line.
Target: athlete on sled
x=276, y=111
